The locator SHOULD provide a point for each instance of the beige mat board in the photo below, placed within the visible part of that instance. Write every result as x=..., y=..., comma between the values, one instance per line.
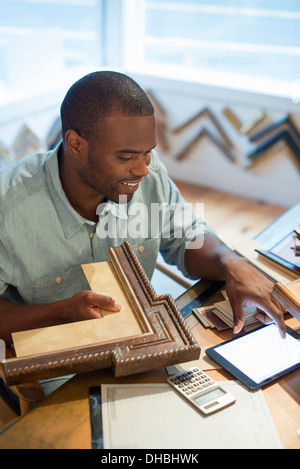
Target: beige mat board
x=113, y=326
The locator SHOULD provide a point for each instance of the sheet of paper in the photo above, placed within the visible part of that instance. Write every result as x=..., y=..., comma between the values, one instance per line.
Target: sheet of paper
x=144, y=416
x=113, y=326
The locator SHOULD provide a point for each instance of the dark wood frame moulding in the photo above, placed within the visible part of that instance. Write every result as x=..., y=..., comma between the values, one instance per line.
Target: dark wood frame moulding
x=286, y=123
x=204, y=133
x=283, y=135
x=224, y=144
x=205, y=112
x=282, y=130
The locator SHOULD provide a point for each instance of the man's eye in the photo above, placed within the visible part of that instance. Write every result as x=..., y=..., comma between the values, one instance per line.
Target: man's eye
x=125, y=157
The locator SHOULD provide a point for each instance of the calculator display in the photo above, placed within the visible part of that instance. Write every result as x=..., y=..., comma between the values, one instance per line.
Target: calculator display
x=209, y=396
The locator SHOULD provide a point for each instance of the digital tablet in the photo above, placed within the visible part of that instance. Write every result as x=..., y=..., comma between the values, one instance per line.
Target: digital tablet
x=260, y=356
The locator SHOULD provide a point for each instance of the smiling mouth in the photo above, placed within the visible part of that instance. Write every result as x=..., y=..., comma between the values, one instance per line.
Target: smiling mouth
x=130, y=184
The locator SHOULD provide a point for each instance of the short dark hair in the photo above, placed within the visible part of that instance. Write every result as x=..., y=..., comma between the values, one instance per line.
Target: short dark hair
x=96, y=96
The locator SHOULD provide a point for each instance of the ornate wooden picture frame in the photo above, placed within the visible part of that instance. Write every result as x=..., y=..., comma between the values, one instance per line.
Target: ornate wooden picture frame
x=164, y=340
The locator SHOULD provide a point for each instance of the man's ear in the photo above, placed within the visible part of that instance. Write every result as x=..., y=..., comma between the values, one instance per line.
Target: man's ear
x=76, y=145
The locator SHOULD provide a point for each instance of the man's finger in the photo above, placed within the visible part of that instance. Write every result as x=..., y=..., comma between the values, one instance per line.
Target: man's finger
x=104, y=302
x=238, y=317
x=274, y=314
x=264, y=318
x=95, y=312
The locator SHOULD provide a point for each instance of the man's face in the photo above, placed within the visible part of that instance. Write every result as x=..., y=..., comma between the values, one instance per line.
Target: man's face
x=118, y=163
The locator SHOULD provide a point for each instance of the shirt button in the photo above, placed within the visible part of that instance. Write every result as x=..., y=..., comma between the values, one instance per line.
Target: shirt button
x=58, y=280
x=92, y=235
x=141, y=248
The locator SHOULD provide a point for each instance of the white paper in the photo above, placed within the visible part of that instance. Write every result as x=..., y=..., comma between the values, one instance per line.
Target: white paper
x=154, y=416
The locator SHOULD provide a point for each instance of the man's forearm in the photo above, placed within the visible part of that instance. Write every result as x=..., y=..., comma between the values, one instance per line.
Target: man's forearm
x=84, y=305
x=14, y=318
x=212, y=260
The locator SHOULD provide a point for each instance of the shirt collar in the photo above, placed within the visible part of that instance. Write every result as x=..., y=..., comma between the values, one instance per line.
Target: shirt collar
x=118, y=210
x=70, y=220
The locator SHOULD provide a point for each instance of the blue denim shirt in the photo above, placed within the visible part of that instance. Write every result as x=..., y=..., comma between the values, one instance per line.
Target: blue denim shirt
x=44, y=241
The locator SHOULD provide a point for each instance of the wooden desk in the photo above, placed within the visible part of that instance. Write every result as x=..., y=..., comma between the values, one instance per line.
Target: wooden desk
x=282, y=396
x=62, y=421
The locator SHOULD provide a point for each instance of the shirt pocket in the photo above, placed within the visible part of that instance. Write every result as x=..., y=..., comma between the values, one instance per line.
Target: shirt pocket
x=59, y=286
x=146, y=251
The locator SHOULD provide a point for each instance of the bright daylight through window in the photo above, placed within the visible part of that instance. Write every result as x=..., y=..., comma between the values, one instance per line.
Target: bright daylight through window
x=256, y=42
x=240, y=43
x=42, y=42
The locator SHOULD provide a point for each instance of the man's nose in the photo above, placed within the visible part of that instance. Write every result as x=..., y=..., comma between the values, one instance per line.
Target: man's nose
x=140, y=168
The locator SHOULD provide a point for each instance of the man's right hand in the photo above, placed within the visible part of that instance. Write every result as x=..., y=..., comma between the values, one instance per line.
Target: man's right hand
x=87, y=304
x=82, y=306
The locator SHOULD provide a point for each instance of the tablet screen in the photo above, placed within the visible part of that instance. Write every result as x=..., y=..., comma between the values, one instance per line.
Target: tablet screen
x=262, y=353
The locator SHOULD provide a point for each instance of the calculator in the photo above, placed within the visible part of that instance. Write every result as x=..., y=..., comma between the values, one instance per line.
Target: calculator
x=201, y=390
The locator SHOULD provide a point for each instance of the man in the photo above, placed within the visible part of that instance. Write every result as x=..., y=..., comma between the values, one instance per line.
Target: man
x=67, y=207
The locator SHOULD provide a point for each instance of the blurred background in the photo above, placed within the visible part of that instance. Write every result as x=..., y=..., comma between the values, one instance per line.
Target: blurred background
x=224, y=76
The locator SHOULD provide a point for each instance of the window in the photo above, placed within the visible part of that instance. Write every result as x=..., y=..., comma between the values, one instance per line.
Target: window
x=244, y=43
x=248, y=44
x=43, y=42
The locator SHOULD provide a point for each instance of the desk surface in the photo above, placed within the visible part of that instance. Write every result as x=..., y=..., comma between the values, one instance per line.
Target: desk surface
x=62, y=420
